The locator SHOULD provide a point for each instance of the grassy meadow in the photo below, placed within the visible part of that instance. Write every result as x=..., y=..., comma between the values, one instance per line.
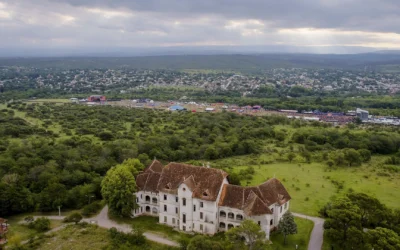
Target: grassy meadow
x=312, y=185
x=304, y=228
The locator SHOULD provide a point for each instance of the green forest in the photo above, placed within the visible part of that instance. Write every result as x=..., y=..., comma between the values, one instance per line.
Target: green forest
x=57, y=154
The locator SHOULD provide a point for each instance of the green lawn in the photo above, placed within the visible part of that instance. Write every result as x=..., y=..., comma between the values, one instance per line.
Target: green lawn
x=304, y=228
x=150, y=224
x=49, y=101
x=311, y=186
x=75, y=237
x=19, y=232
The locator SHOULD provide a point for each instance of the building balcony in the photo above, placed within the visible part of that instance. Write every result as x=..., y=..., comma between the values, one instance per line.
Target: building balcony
x=3, y=241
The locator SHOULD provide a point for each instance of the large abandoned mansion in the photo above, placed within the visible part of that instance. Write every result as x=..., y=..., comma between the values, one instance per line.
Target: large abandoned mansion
x=200, y=199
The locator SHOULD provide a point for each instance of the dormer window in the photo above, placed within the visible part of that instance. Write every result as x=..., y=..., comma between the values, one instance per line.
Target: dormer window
x=168, y=186
x=205, y=194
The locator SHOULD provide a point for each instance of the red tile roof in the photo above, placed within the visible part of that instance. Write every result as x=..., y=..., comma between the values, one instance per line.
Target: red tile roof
x=205, y=183
x=254, y=200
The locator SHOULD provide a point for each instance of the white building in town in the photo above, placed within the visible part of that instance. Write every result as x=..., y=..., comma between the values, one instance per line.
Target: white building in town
x=200, y=199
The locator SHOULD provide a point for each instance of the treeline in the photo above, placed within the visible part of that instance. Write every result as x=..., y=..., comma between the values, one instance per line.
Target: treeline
x=359, y=221
x=164, y=135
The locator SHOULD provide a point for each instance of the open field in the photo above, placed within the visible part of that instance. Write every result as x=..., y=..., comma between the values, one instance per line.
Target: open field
x=48, y=101
x=19, y=232
x=304, y=228
x=312, y=185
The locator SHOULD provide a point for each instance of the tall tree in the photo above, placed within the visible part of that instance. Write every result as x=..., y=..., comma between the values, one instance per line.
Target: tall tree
x=343, y=215
x=202, y=242
x=118, y=187
x=287, y=225
x=248, y=233
x=370, y=207
x=382, y=239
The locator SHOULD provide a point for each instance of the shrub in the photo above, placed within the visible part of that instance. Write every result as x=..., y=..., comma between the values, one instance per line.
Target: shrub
x=40, y=224
x=92, y=208
x=74, y=217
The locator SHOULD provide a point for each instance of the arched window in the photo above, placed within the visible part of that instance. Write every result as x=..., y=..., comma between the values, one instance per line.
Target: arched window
x=155, y=210
x=222, y=214
x=239, y=217
x=230, y=226
x=271, y=222
x=231, y=216
x=154, y=200
x=147, y=209
x=222, y=225
x=183, y=201
x=147, y=198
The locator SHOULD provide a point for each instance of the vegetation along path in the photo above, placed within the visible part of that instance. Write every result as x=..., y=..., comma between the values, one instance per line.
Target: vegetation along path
x=317, y=234
x=102, y=220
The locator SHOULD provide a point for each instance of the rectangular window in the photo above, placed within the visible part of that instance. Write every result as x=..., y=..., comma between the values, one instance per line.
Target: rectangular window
x=285, y=205
x=281, y=209
x=141, y=196
x=173, y=221
x=201, y=204
x=201, y=215
x=176, y=199
x=176, y=210
x=184, y=218
x=183, y=202
x=165, y=197
x=184, y=228
x=259, y=223
x=165, y=219
x=165, y=208
x=194, y=208
x=201, y=227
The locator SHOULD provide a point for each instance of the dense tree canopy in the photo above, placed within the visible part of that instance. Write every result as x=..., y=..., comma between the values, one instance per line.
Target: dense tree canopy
x=118, y=187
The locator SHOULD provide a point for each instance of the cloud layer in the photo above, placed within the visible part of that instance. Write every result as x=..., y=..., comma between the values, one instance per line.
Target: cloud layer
x=138, y=23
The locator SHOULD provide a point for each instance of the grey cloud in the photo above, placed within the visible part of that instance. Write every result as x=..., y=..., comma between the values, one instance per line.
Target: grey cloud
x=168, y=22
x=367, y=15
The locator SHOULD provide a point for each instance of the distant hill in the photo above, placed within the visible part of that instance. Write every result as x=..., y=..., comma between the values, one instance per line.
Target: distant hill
x=239, y=62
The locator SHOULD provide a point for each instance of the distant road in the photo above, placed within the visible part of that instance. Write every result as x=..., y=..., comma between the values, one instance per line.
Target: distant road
x=317, y=234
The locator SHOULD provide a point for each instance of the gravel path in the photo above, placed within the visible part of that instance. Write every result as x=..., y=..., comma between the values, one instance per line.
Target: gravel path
x=317, y=234
x=102, y=220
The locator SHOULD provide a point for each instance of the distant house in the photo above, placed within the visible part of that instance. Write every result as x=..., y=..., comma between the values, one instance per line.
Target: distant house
x=210, y=109
x=75, y=100
x=97, y=98
x=3, y=231
x=200, y=199
x=362, y=114
x=176, y=108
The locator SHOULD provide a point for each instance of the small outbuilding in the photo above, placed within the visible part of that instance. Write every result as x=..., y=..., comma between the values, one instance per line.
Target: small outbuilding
x=176, y=108
x=97, y=98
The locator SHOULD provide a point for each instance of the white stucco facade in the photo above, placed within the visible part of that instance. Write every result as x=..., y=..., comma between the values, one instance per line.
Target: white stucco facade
x=190, y=214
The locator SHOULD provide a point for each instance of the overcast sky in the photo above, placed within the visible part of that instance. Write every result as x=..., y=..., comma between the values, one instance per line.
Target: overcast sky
x=153, y=23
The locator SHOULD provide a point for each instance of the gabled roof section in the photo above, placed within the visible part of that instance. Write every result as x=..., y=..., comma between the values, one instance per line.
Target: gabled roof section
x=202, y=180
x=274, y=191
x=254, y=200
x=154, y=167
x=190, y=183
x=149, y=178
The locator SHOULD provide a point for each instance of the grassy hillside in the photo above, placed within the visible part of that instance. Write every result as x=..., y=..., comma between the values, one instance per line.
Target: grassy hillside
x=312, y=185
